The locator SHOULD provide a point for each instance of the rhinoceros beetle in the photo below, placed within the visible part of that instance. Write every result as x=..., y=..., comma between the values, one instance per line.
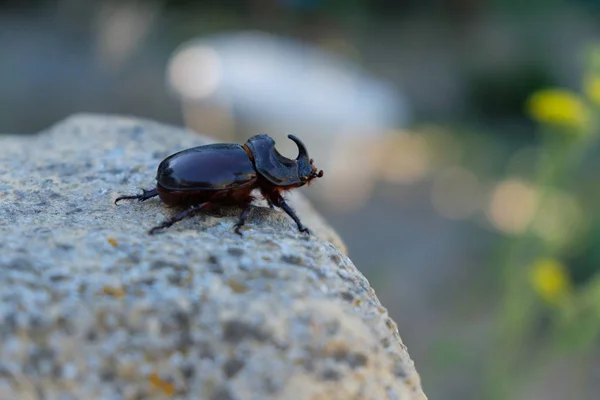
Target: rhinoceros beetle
x=226, y=174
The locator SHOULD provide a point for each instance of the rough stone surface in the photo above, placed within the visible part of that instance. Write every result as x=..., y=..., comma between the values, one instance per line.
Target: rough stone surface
x=91, y=307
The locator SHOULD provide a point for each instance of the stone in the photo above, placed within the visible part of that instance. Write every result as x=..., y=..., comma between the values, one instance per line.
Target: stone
x=92, y=307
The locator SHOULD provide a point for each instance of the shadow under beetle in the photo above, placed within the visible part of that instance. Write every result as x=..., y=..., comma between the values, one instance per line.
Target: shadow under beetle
x=226, y=174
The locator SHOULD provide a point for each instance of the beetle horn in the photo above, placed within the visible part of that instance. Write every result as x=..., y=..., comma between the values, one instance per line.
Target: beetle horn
x=302, y=152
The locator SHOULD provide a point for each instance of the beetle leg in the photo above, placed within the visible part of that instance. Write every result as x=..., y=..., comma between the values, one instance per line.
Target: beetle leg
x=242, y=219
x=147, y=194
x=280, y=202
x=167, y=223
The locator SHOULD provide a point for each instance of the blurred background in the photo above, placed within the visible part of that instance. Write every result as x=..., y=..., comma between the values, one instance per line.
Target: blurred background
x=458, y=139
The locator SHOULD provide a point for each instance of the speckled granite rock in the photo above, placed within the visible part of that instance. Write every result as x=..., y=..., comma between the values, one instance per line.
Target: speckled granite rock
x=91, y=307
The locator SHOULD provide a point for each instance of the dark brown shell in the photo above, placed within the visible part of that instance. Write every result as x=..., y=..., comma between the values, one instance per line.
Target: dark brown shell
x=211, y=167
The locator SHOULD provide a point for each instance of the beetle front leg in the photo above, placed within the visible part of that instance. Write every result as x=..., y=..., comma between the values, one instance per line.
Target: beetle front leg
x=280, y=202
x=179, y=217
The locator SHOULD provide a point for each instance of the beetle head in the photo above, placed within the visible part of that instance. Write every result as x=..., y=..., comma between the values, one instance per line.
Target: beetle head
x=306, y=168
x=280, y=170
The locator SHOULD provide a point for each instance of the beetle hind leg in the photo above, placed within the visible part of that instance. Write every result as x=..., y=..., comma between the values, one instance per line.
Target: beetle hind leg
x=146, y=194
x=167, y=223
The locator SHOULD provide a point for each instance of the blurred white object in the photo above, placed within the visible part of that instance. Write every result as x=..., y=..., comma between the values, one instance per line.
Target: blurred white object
x=273, y=85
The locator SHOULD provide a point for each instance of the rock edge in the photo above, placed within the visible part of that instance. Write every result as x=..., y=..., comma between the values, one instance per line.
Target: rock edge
x=93, y=307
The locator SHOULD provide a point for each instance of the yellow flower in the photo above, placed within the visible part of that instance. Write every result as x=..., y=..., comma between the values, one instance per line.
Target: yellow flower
x=550, y=280
x=558, y=107
x=591, y=86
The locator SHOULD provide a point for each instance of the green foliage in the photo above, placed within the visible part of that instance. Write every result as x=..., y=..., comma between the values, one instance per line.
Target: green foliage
x=547, y=283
